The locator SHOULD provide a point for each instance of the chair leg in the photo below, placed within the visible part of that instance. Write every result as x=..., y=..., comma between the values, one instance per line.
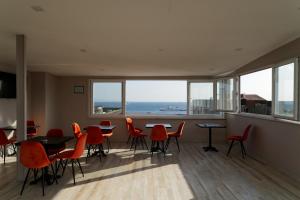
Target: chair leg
x=167, y=143
x=141, y=142
x=24, y=183
x=54, y=174
x=73, y=171
x=135, y=144
x=88, y=153
x=64, y=167
x=107, y=143
x=43, y=181
x=143, y=138
x=228, y=152
x=80, y=167
x=99, y=148
x=163, y=147
x=132, y=142
x=152, y=146
x=128, y=140
x=4, y=153
x=242, y=149
x=177, y=144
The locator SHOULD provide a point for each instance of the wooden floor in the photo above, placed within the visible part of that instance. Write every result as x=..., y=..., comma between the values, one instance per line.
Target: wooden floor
x=190, y=174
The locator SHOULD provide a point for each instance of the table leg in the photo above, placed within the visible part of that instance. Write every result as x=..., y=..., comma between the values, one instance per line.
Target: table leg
x=210, y=147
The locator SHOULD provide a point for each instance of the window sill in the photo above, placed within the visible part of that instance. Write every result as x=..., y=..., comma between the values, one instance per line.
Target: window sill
x=187, y=117
x=265, y=117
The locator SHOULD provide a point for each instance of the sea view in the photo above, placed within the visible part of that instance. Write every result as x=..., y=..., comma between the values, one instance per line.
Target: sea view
x=159, y=108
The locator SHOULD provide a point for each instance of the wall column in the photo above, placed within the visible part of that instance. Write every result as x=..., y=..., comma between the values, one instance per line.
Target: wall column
x=21, y=71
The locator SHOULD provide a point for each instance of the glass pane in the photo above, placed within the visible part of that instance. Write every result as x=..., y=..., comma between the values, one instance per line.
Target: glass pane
x=159, y=97
x=225, y=94
x=284, y=90
x=202, y=98
x=256, y=92
x=107, y=98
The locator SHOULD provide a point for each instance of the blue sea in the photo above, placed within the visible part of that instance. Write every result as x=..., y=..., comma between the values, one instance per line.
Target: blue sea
x=160, y=108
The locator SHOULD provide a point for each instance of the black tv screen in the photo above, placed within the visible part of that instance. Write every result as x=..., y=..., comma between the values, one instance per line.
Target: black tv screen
x=7, y=85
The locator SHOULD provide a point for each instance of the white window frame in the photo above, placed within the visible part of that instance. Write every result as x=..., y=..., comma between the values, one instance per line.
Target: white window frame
x=234, y=108
x=214, y=96
x=91, y=97
x=296, y=86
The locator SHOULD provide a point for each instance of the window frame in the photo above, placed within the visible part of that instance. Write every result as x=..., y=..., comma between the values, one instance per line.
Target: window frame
x=91, y=98
x=296, y=86
x=234, y=95
x=296, y=92
x=214, y=96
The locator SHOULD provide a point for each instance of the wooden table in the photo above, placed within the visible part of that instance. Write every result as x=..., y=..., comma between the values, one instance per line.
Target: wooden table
x=14, y=128
x=166, y=125
x=104, y=128
x=210, y=126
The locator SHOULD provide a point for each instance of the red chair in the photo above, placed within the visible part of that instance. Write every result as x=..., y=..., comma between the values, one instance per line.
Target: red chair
x=73, y=155
x=136, y=134
x=107, y=134
x=33, y=156
x=158, y=134
x=4, y=142
x=94, y=140
x=240, y=139
x=56, y=133
x=175, y=135
x=76, y=130
x=31, y=130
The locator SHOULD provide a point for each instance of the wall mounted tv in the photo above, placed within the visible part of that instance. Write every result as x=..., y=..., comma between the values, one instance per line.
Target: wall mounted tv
x=7, y=85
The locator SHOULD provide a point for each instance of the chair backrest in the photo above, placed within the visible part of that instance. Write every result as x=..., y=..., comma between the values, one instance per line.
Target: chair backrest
x=31, y=131
x=105, y=123
x=33, y=155
x=3, y=138
x=159, y=133
x=94, y=135
x=80, y=146
x=76, y=129
x=180, y=129
x=129, y=124
x=55, y=133
x=246, y=132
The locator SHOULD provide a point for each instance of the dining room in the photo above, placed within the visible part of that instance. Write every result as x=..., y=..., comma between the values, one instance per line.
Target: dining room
x=107, y=100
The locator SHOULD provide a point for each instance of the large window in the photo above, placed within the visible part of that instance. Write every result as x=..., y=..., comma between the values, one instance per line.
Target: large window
x=201, y=98
x=107, y=98
x=256, y=92
x=156, y=97
x=225, y=94
x=285, y=88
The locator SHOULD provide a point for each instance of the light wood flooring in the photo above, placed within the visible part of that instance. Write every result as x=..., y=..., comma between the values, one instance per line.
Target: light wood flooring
x=190, y=174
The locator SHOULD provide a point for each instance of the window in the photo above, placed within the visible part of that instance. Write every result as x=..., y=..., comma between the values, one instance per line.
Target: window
x=284, y=93
x=225, y=94
x=107, y=98
x=156, y=97
x=201, y=98
x=256, y=92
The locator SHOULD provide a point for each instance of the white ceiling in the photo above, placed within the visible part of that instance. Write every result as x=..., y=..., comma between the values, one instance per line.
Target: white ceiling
x=145, y=37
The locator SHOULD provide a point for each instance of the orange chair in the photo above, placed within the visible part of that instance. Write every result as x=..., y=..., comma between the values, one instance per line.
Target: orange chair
x=241, y=139
x=31, y=130
x=136, y=134
x=175, y=135
x=4, y=142
x=76, y=129
x=107, y=134
x=73, y=155
x=33, y=156
x=94, y=140
x=158, y=134
x=55, y=133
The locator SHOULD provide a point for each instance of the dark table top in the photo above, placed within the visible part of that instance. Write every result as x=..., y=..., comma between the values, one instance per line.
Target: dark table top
x=49, y=141
x=13, y=128
x=152, y=125
x=105, y=128
x=210, y=125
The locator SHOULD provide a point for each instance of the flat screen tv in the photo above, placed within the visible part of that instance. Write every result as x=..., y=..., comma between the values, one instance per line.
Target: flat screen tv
x=7, y=85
